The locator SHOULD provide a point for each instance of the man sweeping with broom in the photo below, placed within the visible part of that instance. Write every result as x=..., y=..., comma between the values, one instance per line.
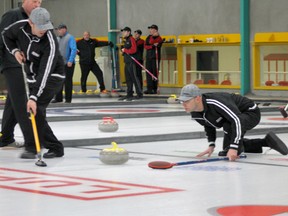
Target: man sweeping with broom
x=33, y=42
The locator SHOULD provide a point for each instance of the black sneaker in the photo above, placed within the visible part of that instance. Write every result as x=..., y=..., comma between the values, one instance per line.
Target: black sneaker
x=138, y=97
x=27, y=155
x=122, y=98
x=55, y=101
x=129, y=99
x=12, y=145
x=283, y=112
x=148, y=92
x=274, y=142
x=225, y=151
x=52, y=154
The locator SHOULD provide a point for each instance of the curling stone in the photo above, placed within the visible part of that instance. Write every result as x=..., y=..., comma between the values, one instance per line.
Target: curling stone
x=114, y=94
x=108, y=125
x=114, y=155
x=104, y=94
x=172, y=99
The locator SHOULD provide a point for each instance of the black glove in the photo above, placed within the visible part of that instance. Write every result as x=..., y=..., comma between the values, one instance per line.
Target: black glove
x=110, y=43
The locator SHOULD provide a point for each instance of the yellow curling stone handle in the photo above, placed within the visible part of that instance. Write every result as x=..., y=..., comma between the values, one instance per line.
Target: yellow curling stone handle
x=114, y=148
x=173, y=96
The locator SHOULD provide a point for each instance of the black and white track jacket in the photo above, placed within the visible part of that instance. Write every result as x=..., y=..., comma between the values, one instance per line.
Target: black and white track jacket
x=221, y=108
x=43, y=58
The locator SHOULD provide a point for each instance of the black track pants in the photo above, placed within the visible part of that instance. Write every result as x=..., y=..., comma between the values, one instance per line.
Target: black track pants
x=249, y=120
x=96, y=70
x=15, y=109
x=152, y=84
x=68, y=85
x=131, y=78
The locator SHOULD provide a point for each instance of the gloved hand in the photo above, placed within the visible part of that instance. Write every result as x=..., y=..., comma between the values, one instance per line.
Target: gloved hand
x=110, y=43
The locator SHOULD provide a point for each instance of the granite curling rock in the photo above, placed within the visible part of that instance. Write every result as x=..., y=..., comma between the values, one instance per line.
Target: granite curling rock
x=108, y=125
x=172, y=99
x=114, y=155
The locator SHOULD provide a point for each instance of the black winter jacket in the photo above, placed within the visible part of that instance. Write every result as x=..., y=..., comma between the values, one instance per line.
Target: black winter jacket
x=87, y=50
x=6, y=60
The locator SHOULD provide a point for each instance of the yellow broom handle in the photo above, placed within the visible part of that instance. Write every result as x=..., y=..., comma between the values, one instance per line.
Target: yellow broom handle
x=35, y=132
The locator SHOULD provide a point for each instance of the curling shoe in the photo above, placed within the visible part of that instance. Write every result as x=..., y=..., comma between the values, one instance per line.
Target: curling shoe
x=148, y=92
x=225, y=151
x=123, y=98
x=55, y=101
x=12, y=145
x=52, y=154
x=27, y=155
x=138, y=97
x=274, y=142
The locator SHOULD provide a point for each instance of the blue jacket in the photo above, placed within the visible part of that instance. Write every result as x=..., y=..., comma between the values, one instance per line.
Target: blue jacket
x=68, y=48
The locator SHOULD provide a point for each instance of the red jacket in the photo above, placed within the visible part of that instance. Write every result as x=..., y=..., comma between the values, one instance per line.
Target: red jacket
x=130, y=48
x=150, y=47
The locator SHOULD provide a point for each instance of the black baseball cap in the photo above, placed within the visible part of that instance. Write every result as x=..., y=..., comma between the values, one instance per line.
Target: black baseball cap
x=138, y=31
x=61, y=26
x=126, y=29
x=153, y=27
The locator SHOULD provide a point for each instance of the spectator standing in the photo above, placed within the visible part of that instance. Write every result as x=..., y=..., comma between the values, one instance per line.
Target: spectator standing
x=86, y=51
x=153, y=44
x=139, y=55
x=68, y=49
x=130, y=49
